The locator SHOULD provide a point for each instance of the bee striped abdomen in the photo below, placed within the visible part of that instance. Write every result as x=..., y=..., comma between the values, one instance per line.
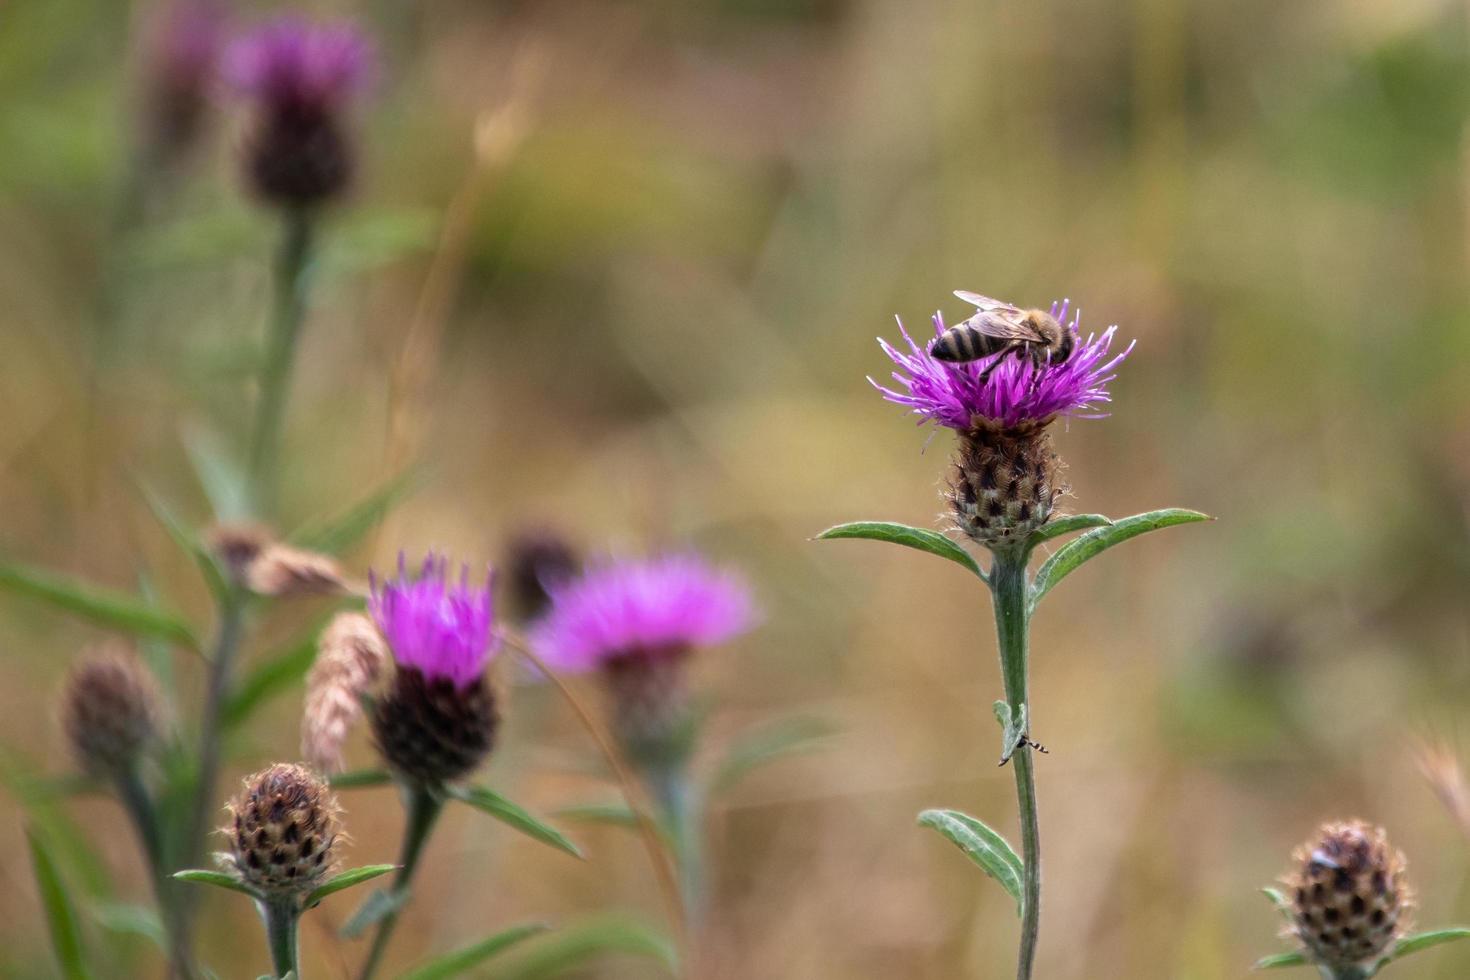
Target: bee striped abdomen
x=959, y=344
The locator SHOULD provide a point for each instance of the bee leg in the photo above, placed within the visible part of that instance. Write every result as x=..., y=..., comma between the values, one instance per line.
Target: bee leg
x=1026, y=740
x=990, y=368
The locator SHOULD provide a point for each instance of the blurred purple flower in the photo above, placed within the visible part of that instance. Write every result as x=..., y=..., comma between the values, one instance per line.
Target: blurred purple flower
x=442, y=629
x=953, y=394
x=181, y=51
x=289, y=64
x=625, y=608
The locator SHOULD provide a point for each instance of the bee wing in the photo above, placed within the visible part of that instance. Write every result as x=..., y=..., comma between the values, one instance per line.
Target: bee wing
x=1006, y=324
x=984, y=302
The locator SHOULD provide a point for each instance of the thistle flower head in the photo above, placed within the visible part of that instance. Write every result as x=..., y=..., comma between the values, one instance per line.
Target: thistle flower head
x=291, y=65
x=441, y=628
x=623, y=609
x=300, y=77
x=111, y=710
x=283, y=827
x=962, y=396
x=1349, y=898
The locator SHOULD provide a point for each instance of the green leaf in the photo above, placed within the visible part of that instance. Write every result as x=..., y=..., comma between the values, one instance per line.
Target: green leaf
x=341, y=532
x=41, y=796
x=219, y=473
x=372, y=911
x=1066, y=525
x=137, y=920
x=187, y=541
x=1094, y=543
x=276, y=675
x=754, y=749
x=218, y=879
x=104, y=607
x=910, y=537
x=982, y=845
x=347, y=879
x=1011, y=729
x=61, y=915
x=618, y=813
x=359, y=778
x=455, y=963
x=509, y=813
x=1280, y=960
x=565, y=949
x=375, y=237
x=1424, y=940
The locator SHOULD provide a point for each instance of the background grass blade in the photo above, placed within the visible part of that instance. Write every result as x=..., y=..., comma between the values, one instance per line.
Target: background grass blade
x=61, y=914
x=455, y=963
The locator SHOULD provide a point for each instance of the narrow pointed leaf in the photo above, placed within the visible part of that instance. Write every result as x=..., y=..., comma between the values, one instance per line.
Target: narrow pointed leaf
x=982, y=845
x=457, y=962
x=347, y=879
x=187, y=541
x=61, y=914
x=1066, y=525
x=509, y=813
x=1280, y=960
x=1424, y=940
x=910, y=537
x=137, y=920
x=218, y=879
x=274, y=676
x=372, y=911
x=1095, y=542
x=1278, y=900
x=114, y=610
x=359, y=778
x=220, y=475
x=766, y=744
x=561, y=952
x=617, y=814
x=339, y=533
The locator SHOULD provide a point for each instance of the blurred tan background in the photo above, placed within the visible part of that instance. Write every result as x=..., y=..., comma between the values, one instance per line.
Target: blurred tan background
x=669, y=297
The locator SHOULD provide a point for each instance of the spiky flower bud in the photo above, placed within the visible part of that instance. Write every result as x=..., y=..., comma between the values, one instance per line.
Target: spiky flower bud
x=1006, y=481
x=1349, y=898
x=283, y=827
x=437, y=721
x=111, y=710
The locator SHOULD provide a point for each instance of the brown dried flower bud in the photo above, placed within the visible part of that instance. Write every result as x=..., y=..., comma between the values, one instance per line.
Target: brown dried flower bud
x=111, y=710
x=237, y=545
x=351, y=657
x=1349, y=898
x=1006, y=481
x=431, y=730
x=283, y=826
x=282, y=571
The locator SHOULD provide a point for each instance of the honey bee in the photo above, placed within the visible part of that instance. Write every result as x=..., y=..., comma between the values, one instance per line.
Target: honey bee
x=1000, y=328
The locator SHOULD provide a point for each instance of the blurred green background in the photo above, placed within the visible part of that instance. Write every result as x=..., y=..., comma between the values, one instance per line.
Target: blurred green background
x=667, y=308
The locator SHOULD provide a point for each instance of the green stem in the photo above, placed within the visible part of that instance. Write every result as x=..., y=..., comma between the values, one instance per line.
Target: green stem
x=681, y=806
x=144, y=817
x=423, y=804
x=282, y=914
x=1344, y=972
x=1012, y=623
x=293, y=262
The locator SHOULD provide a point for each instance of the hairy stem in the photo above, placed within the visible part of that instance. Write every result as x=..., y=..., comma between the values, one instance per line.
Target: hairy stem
x=423, y=805
x=281, y=918
x=293, y=262
x=1012, y=625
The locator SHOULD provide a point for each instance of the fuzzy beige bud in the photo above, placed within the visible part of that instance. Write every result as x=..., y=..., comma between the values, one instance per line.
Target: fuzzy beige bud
x=281, y=571
x=1006, y=482
x=351, y=658
x=1349, y=897
x=111, y=710
x=282, y=831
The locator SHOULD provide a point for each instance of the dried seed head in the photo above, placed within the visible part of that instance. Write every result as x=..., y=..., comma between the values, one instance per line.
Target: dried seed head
x=111, y=710
x=281, y=571
x=351, y=657
x=537, y=562
x=1006, y=482
x=431, y=730
x=651, y=712
x=1349, y=898
x=283, y=827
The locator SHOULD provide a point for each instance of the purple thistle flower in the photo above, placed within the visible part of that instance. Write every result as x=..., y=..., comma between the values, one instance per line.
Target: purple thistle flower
x=441, y=628
x=291, y=64
x=954, y=395
x=622, y=609
x=300, y=76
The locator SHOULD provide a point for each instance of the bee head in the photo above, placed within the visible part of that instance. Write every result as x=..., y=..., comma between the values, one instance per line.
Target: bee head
x=1059, y=339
